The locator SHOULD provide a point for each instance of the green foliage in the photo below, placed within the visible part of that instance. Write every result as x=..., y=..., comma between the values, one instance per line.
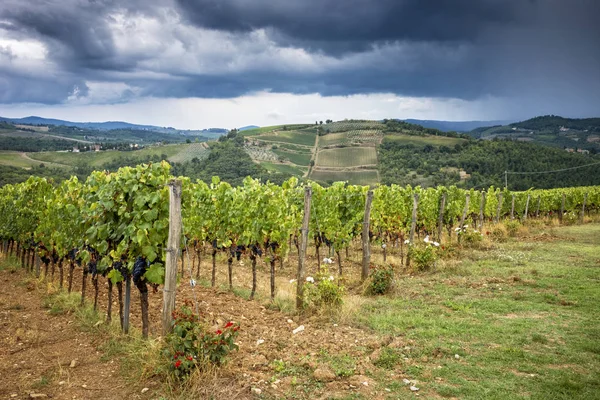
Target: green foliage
x=388, y=358
x=469, y=236
x=423, y=256
x=485, y=161
x=381, y=279
x=323, y=292
x=512, y=227
x=191, y=345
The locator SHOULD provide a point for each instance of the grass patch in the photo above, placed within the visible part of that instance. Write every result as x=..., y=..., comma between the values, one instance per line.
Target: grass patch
x=285, y=168
x=363, y=177
x=517, y=334
x=296, y=158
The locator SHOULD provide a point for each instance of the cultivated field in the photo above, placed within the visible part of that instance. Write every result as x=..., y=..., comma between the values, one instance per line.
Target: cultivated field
x=512, y=318
x=347, y=157
x=423, y=140
x=361, y=177
x=305, y=138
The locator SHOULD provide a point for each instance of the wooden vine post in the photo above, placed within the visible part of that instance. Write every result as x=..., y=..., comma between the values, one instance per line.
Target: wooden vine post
x=441, y=217
x=481, y=210
x=302, y=249
x=465, y=211
x=366, y=259
x=499, y=208
x=562, y=209
x=526, y=207
x=173, y=242
x=413, y=220
x=512, y=208
x=583, y=207
x=537, y=210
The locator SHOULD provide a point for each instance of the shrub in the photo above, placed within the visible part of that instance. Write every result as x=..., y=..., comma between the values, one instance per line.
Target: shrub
x=423, y=256
x=323, y=292
x=381, y=279
x=469, y=237
x=191, y=345
x=512, y=227
x=497, y=233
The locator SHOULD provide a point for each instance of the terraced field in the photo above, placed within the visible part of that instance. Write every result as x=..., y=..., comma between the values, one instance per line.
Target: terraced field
x=259, y=153
x=274, y=128
x=347, y=157
x=366, y=177
x=305, y=138
x=422, y=140
x=191, y=151
x=296, y=158
x=345, y=126
x=285, y=168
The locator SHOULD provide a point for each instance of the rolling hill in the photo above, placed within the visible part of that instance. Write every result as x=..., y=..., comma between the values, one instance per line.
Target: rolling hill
x=550, y=130
x=114, y=125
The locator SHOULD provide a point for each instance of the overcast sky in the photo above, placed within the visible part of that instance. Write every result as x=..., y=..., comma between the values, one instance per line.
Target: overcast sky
x=228, y=63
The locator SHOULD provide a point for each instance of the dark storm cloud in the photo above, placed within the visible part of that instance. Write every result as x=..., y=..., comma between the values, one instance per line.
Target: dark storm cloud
x=347, y=25
x=464, y=49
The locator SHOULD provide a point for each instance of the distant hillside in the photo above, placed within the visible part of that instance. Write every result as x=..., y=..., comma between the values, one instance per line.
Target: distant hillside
x=554, y=123
x=114, y=125
x=550, y=130
x=457, y=126
x=245, y=128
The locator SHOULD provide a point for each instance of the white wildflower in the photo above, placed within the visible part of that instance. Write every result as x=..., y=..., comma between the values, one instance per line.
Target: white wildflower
x=407, y=241
x=292, y=280
x=310, y=279
x=436, y=244
x=456, y=229
x=465, y=226
x=383, y=246
x=426, y=240
x=331, y=277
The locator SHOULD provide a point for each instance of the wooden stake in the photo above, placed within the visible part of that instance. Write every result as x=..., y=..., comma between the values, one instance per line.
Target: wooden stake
x=302, y=249
x=465, y=211
x=583, y=208
x=481, y=210
x=366, y=259
x=537, y=211
x=499, y=208
x=512, y=208
x=413, y=221
x=172, y=252
x=562, y=209
x=441, y=217
x=526, y=207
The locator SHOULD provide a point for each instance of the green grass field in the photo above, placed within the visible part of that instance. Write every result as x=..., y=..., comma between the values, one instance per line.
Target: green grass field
x=347, y=157
x=16, y=159
x=284, y=168
x=305, y=138
x=333, y=139
x=366, y=177
x=99, y=158
x=267, y=129
x=189, y=152
x=515, y=320
x=296, y=158
x=424, y=140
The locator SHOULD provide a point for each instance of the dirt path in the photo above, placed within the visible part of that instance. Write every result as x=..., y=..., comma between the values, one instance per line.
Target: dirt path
x=37, y=350
x=48, y=163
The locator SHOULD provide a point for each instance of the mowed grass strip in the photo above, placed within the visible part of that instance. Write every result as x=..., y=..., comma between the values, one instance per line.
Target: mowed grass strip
x=515, y=320
x=366, y=177
x=296, y=158
x=424, y=140
x=283, y=168
x=347, y=157
x=306, y=138
x=273, y=128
